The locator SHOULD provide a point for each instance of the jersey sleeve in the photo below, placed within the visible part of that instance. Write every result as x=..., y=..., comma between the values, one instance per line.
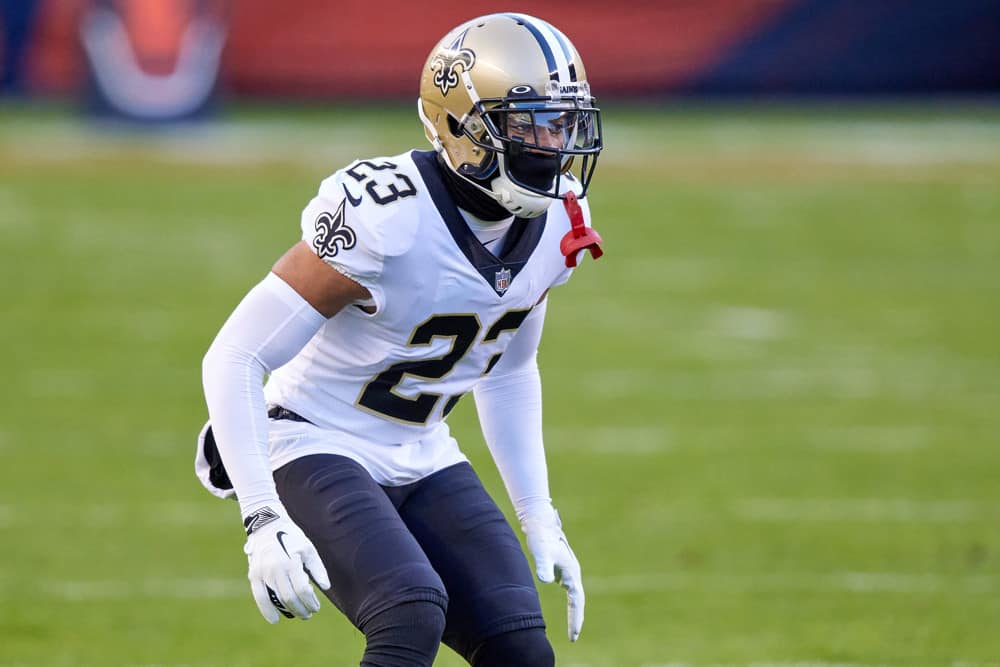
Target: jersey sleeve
x=336, y=227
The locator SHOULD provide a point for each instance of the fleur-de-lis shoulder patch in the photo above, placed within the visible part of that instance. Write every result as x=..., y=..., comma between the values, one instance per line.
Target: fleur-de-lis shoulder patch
x=333, y=234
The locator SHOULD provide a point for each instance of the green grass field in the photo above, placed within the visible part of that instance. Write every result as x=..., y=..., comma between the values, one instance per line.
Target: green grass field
x=772, y=409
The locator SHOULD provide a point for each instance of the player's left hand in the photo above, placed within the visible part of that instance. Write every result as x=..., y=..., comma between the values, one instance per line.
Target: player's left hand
x=555, y=561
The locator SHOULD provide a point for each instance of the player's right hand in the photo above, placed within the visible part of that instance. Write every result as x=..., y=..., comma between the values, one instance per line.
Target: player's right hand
x=555, y=561
x=281, y=560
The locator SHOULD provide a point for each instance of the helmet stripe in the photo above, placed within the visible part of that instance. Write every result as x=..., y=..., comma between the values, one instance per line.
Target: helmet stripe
x=555, y=58
x=560, y=39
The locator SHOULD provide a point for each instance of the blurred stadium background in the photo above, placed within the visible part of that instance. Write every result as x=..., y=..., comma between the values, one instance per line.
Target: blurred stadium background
x=772, y=409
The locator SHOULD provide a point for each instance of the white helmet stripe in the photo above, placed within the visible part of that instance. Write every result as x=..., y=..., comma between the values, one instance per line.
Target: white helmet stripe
x=567, y=72
x=551, y=45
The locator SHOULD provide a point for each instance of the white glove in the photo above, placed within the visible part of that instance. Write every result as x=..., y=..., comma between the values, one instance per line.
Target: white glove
x=281, y=560
x=555, y=561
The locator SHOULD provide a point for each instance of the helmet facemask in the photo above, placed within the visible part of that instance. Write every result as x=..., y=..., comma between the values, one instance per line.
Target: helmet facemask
x=534, y=142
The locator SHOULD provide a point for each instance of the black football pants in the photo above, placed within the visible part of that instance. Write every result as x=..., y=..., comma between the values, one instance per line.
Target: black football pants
x=440, y=540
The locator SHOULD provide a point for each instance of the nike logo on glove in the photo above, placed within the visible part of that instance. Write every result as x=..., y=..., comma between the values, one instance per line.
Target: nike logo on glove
x=281, y=540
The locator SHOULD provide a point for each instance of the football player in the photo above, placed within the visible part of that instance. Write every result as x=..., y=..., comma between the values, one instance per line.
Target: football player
x=419, y=278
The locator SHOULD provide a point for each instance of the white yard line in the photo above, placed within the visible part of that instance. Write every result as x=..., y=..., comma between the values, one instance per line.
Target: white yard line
x=632, y=439
x=807, y=663
x=634, y=442
x=48, y=383
x=221, y=143
x=840, y=582
x=760, y=663
x=640, y=583
x=17, y=214
x=119, y=589
x=610, y=439
x=209, y=512
x=875, y=439
x=857, y=509
x=919, y=143
x=753, y=663
x=904, y=144
x=748, y=323
x=799, y=663
x=808, y=379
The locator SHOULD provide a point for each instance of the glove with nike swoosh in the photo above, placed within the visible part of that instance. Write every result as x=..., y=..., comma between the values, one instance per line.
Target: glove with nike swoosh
x=281, y=560
x=555, y=560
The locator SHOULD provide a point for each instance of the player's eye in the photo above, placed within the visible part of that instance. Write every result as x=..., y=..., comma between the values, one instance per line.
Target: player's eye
x=517, y=127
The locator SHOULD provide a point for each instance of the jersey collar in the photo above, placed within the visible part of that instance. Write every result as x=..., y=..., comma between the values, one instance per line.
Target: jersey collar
x=524, y=234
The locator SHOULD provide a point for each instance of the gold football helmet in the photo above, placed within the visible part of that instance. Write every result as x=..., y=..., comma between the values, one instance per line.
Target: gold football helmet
x=505, y=101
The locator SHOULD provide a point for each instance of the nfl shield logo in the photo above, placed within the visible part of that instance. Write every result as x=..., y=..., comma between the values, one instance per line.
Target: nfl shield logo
x=502, y=280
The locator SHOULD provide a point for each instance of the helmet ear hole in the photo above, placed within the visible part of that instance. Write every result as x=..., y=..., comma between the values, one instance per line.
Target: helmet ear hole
x=454, y=127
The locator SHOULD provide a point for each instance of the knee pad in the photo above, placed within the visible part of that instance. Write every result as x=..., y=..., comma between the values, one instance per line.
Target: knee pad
x=407, y=635
x=524, y=648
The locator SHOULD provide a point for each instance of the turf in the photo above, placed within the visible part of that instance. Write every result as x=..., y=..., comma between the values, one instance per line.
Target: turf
x=772, y=408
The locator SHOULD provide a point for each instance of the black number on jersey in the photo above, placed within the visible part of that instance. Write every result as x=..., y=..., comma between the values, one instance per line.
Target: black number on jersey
x=381, y=187
x=379, y=394
x=509, y=321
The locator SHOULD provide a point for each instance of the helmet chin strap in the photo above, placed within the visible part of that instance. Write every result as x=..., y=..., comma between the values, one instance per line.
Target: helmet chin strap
x=521, y=203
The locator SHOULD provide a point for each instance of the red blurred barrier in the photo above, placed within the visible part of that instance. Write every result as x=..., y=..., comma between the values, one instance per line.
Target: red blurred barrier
x=339, y=48
x=357, y=48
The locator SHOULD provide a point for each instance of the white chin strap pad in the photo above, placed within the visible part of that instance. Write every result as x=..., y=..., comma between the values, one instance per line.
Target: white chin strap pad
x=519, y=202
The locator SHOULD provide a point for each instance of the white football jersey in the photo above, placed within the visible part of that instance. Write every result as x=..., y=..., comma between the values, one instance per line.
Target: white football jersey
x=377, y=387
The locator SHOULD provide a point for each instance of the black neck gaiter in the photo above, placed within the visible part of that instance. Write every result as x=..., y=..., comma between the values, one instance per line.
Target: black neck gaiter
x=468, y=198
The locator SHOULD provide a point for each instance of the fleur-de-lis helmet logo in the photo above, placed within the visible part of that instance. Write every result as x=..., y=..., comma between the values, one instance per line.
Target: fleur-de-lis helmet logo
x=447, y=60
x=333, y=234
